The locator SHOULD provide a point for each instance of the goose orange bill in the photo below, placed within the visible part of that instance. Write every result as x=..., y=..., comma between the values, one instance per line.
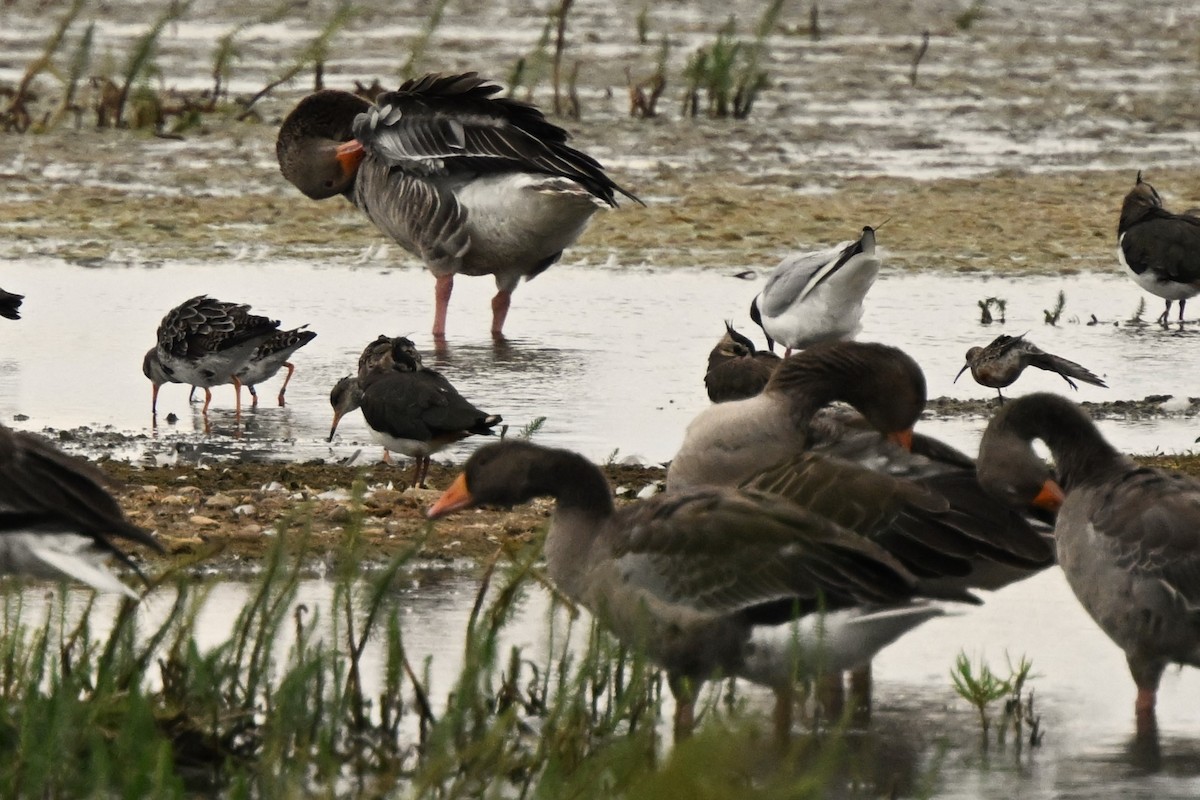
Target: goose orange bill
x=1050, y=497
x=349, y=155
x=903, y=438
x=457, y=497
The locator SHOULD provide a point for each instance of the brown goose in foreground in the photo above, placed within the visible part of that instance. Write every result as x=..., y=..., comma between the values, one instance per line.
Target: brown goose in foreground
x=1006, y=357
x=736, y=370
x=409, y=409
x=1159, y=250
x=56, y=516
x=1128, y=537
x=10, y=305
x=470, y=183
x=710, y=582
x=931, y=514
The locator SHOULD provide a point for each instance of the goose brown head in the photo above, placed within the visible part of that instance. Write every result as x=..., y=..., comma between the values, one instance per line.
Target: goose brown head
x=513, y=472
x=885, y=384
x=315, y=146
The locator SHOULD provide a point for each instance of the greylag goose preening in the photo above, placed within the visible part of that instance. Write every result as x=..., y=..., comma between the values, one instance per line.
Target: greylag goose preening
x=817, y=297
x=1159, y=250
x=1128, y=537
x=736, y=370
x=470, y=183
x=410, y=409
x=10, y=305
x=1001, y=362
x=205, y=342
x=929, y=511
x=270, y=357
x=57, y=518
x=712, y=582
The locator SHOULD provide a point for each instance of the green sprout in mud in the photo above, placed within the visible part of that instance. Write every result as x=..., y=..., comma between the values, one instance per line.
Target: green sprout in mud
x=985, y=309
x=980, y=686
x=970, y=15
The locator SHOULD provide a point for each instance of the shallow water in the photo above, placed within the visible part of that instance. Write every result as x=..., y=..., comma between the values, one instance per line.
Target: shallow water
x=613, y=357
x=919, y=726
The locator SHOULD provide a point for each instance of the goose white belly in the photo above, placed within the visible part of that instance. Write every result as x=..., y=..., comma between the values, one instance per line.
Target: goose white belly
x=518, y=220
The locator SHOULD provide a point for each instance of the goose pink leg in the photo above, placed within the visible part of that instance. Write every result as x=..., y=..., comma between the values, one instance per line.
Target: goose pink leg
x=441, y=295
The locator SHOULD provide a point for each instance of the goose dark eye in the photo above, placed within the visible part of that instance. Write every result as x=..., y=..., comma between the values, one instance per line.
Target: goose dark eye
x=328, y=184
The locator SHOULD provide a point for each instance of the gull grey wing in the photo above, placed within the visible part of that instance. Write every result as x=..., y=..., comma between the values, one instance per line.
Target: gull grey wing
x=795, y=276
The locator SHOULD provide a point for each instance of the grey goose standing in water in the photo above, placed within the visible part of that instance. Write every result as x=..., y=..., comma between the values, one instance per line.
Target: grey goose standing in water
x=1159, y=250
x=56, y=516
x=713, y=582
x=470, y=183
x=1128, y=537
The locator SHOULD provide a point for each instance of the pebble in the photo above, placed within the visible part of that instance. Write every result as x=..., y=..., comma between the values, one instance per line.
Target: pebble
x=220, y=502
x=203, y=522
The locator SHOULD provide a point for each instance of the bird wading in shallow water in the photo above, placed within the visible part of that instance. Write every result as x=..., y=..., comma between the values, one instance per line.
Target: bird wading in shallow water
x=710, y=583
x=1128, y=537
x=270, y=357
x=817, y=297
x=410, y=409
x=1000, y=363
x=1159, y=250
x=470, y=183
x=205, y=342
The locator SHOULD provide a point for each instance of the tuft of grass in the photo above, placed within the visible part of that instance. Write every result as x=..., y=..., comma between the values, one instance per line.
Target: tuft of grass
x=985, y=311
x=17, y=117
x=140, y=64
x=313, y=55
x=980, y=686
x=1053, y=315
x=1136, y=319
x=531, y=428
x=728, y=71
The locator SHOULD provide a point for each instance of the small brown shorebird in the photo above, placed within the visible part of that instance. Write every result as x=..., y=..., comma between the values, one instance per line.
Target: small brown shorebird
x=57, y=517
x=10, y=305
x=470, y=183
x=1001, y=363
x=409, y=409
x=1159, y=250
x=270, y=357
x=736, y=370
x=205, y=342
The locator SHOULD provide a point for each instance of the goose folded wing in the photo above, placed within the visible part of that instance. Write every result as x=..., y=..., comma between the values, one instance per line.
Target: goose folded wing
x=430, y=136
x=1151, y=523
x=418, y=213
x=905, y=518
x=724, y=551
